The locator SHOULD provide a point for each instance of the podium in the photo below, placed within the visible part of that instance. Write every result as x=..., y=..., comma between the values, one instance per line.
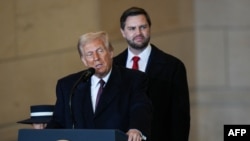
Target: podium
x=71, y=135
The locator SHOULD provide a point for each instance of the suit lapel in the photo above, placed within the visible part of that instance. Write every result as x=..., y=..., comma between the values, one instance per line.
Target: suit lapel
x=110, y=91
x=151, y=60
x=83, y=105
x=122, y=58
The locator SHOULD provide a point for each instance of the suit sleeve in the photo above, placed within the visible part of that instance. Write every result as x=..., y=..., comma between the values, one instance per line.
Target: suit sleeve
x=180, y=105
x=58, y=119
x=141, y=106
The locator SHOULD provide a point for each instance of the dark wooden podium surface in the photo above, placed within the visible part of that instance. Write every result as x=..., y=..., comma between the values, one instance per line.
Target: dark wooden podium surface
x=71, y=135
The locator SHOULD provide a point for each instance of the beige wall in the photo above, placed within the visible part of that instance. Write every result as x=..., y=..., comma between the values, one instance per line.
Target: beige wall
x=222, y=33
x=38, y=46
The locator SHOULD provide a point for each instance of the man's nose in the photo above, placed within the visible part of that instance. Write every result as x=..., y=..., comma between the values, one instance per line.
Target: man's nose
x=95, y=56
x=138, y=31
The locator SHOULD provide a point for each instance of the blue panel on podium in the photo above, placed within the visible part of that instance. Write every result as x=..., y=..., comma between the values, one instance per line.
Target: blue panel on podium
x=71, y=135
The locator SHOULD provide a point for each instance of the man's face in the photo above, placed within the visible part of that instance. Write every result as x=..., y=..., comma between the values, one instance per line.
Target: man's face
x=136, y=32
x=97, y=55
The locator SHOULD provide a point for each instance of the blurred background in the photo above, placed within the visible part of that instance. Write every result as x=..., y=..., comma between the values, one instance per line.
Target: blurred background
x=212, y=37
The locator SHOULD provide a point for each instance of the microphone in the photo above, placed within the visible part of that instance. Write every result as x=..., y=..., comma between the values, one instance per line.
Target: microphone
x=84, y=77
x=86, y=74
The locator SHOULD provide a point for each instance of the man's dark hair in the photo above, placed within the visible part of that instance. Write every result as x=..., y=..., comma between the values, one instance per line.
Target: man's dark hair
x=133, y=11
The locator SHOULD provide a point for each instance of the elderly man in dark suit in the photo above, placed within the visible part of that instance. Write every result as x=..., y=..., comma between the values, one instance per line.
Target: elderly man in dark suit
x=168, y=87
x=123, y=103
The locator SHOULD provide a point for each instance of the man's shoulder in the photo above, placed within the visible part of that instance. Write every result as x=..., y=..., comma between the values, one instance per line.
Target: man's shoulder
x=121, y=56
x=160, y=55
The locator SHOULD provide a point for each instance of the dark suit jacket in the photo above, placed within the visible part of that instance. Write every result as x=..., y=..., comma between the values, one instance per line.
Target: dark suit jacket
x=168, y=90
x=123, y=104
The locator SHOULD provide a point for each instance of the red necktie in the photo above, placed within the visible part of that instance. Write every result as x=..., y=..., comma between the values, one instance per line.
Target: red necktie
x=135, y=62
x=102, y=82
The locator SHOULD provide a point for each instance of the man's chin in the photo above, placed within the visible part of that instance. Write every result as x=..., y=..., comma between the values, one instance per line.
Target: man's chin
x=139, y=47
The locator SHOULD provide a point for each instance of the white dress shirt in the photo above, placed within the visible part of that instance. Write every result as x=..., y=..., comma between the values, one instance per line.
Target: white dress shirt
x=143, y=58
x=95, y=87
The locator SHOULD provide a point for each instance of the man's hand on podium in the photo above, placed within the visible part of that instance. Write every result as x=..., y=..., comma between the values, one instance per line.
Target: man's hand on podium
x=39, y=125
x=135, y=135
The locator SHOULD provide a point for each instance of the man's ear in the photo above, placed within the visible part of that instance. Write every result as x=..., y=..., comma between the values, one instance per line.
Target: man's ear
x=111, y=54
x=122, y=31
x=84, y=61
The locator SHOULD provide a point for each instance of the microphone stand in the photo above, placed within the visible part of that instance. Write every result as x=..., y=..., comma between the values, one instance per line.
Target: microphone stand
x=70, y=99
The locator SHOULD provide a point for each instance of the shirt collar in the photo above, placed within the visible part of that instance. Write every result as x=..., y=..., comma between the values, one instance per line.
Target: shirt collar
x=95, y=80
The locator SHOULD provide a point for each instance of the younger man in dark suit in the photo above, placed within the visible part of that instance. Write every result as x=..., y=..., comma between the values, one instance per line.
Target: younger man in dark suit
x=123, y=103
x=168, y=87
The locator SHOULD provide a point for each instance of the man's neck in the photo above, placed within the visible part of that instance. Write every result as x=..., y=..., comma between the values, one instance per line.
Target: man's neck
x=136, y=51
